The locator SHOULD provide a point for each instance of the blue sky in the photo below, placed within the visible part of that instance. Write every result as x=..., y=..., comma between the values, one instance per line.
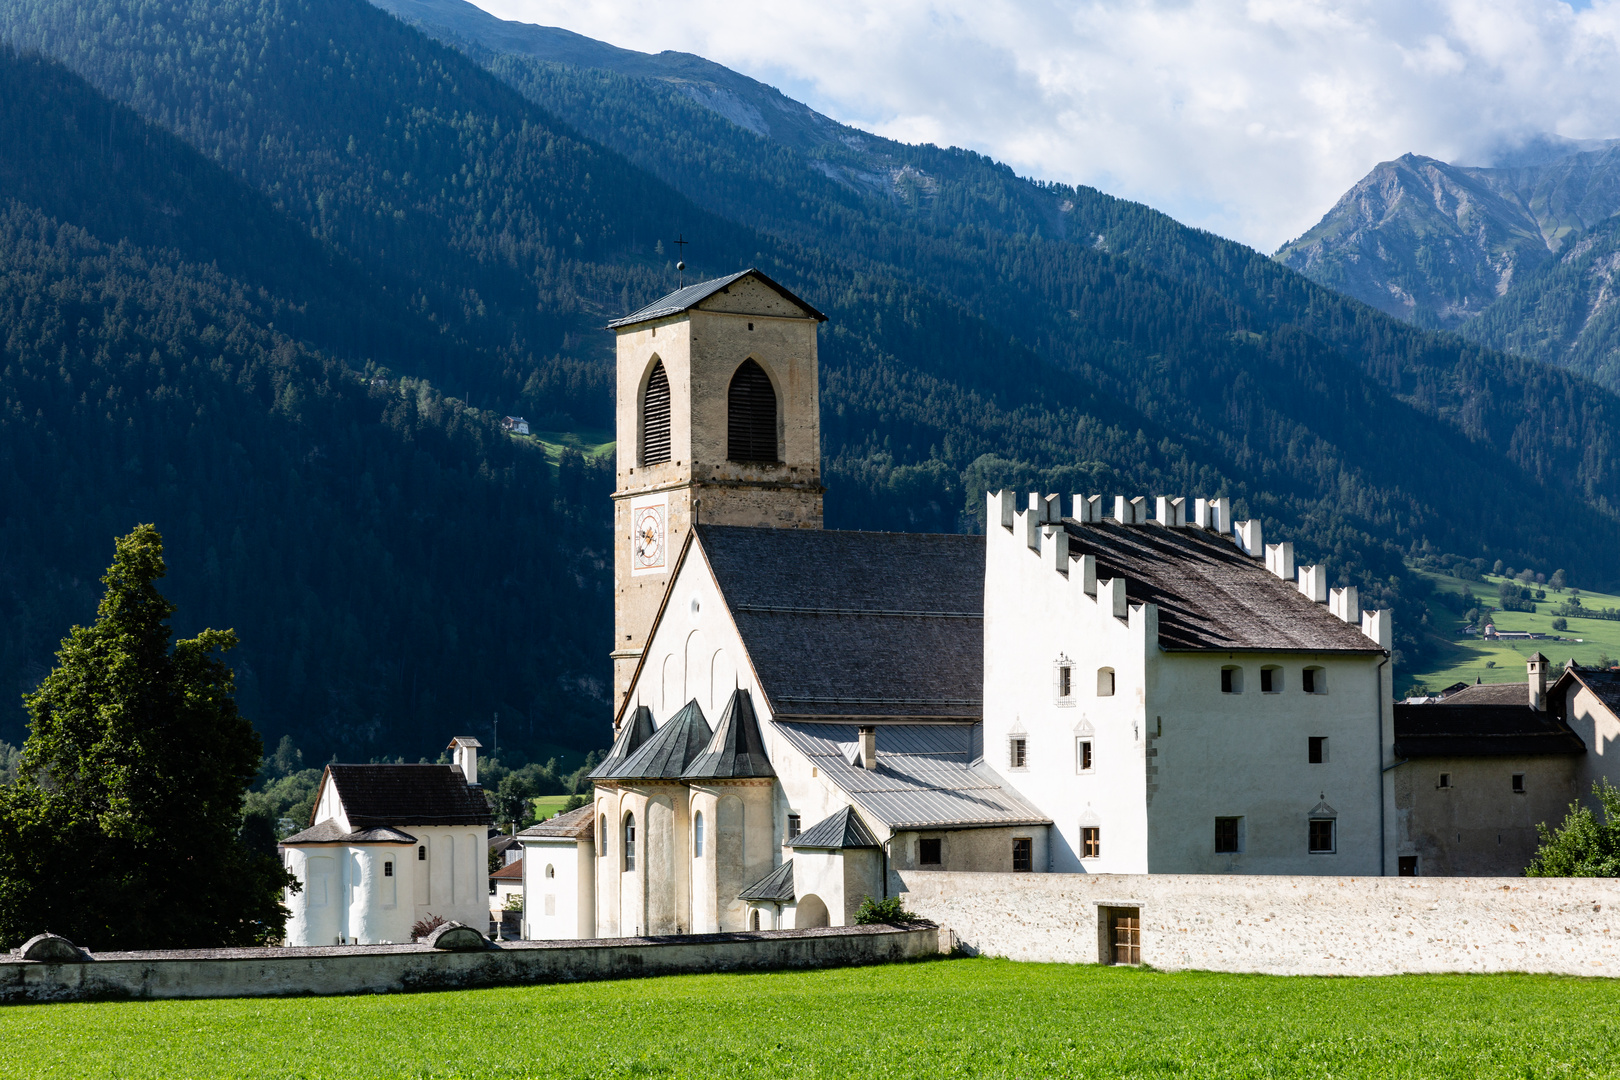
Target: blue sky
x=1246, y=118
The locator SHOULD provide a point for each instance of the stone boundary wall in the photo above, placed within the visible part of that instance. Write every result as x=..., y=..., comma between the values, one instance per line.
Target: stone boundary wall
x=380, y=969
x=1285, y=925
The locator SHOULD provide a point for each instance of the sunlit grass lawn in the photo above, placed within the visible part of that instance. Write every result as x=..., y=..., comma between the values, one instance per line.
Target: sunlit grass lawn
x=989, y=1018
x=549, y=806
x=1472, y=658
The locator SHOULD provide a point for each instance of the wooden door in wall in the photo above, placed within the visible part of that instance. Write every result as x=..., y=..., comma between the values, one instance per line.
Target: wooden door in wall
x=1125, y=934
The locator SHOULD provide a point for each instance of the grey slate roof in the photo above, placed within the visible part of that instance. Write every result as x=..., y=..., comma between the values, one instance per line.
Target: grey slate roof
x=737, y=749
x=576, y=824
x=1210, y=595
x=928, y=775
x=844, y=829
x=671, y=749
x=397, y=795
x=775, y=886
x=327, y=832
x=856, y=624
x=1489, y=730
x=1603, y=683
x=1513, y=693
x=684, y=299
x=637, y=729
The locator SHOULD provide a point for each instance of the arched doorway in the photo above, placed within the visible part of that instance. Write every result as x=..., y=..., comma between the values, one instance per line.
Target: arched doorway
x=810, y=911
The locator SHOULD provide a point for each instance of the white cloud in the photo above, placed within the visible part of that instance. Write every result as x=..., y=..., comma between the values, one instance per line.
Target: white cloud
x=1249, y=119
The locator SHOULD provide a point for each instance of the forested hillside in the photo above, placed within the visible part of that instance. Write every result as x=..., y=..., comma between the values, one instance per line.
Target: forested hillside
x=252, y=307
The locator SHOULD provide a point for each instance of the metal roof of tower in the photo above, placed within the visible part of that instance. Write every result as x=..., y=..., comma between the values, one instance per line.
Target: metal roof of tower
x=689, y=297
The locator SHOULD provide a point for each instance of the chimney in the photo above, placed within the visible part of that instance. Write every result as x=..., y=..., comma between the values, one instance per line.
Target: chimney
x=465, y=757
x=1537, y=668
x=868, y=747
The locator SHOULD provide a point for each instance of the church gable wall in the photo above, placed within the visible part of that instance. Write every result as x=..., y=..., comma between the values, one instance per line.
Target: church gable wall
x=750, y=296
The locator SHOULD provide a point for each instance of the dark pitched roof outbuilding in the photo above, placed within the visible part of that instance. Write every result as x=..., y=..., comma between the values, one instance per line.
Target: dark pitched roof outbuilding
x=1447, y=730
x=327, y=832
x=576, y=824
x=375, y=795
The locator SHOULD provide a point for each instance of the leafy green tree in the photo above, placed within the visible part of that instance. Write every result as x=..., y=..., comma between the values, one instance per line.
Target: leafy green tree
x=887, y=910
x=124, y=828
x=1560, y=581
x=1581, y=847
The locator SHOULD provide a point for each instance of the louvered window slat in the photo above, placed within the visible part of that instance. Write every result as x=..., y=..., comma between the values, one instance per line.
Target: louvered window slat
x=655, y=418
x=752, y=415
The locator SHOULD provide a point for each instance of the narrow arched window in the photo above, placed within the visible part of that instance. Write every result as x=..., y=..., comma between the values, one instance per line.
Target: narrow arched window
x=602, y=845
x=752, y=415
x=629, y=841
x=697, y=834
x=551, y=871
x=655, y=417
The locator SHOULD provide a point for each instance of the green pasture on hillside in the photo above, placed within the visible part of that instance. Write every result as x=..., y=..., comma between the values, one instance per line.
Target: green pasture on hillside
x=589, y=443
x=1469, y=658
x=548, y=806
x=947, y=1018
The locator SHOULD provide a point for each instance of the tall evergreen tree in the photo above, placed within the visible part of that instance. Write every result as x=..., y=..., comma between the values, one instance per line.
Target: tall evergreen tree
x=123, y=828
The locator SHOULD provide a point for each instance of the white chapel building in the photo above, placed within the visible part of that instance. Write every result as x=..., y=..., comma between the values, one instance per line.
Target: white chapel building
x=1132, y=687
x=389, y=846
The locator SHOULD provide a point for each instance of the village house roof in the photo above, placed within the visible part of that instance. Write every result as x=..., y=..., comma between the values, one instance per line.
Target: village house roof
x=1604, y=684
x=844, y=830
x=689, y=297
x=395, y=795
x=856, y=624
x=1210, y=594
x=928, y=775
x=775, y=887
x=667, y=753
x=327, y=832
x=576, y=824
x=1481, y=730
x=1512, y=693
x=512, y=871
x=737, y=750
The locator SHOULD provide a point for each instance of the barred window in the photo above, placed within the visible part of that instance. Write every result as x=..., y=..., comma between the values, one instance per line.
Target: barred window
x=655, y=417
x=1091, y=842
x=1321, y=836
x=1023, y=854
x=1228, y=836
x=752, y=415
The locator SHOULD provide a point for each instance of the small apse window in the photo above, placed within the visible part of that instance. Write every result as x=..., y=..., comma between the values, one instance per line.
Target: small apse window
x=697, y=834
x=421, y=853
x=551, y=871
x=388, y=868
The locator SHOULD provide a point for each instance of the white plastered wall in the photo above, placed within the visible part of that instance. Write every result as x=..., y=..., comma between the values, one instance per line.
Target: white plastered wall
x=559, y=905
x=1599, y=728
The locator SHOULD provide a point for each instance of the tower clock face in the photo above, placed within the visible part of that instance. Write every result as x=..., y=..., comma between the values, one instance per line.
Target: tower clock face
x=649, y=538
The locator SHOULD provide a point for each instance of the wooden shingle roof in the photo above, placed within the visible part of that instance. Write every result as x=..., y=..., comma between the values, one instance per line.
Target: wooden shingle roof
x=405, y=795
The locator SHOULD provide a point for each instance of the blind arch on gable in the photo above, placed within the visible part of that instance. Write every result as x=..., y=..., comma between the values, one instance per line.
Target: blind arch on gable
x=655, y=416
x=751, y=415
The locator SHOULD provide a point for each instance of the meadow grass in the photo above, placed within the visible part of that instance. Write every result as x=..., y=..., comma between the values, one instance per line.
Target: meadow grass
x=1467, y=659
x=549, y=806
x=980, y=1018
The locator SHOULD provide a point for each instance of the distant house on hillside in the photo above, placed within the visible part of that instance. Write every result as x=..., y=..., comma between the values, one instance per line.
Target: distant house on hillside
x=389, y=845
x=515, y=424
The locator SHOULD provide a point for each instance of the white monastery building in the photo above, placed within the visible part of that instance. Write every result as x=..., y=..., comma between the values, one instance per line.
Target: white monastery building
x=1134, y=687
x=388, y=846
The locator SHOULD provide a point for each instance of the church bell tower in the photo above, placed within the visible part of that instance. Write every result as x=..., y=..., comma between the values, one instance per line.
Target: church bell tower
x=718, y=422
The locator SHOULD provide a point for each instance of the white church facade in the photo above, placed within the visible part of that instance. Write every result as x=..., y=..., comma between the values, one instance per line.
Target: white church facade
x=1128, y=688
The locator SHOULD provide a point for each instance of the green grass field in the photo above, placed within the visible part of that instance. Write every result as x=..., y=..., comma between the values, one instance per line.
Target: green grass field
x=982, y=1018
x=1467, y=659
x=589, y=443
x=548, y=806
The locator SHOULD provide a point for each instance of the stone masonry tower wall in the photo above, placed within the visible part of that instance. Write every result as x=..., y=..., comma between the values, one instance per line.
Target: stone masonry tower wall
x=701, y=336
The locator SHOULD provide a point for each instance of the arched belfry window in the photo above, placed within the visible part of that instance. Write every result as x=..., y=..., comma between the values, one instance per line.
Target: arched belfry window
x=655, y=417
x=752, y=415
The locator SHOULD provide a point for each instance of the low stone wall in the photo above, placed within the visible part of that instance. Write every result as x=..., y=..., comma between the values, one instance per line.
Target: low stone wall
x=377, y=969
x=1286, y=925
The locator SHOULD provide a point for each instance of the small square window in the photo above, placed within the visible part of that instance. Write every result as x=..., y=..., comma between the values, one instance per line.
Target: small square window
x=1228, y=836
x=1269, y=682
x=793, y=826
x=1445, y=780
x=1091, y=842
x=1518, y=783
x=1228, y=680
x=1015, y=753
x=1082, y=755
x=1023, y=854
x=1317, y=750
x=1314, y=680
x=388, y=868
x=928, y=852
x=1105, y=682
x=1408, y=866
x=1321, y=836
